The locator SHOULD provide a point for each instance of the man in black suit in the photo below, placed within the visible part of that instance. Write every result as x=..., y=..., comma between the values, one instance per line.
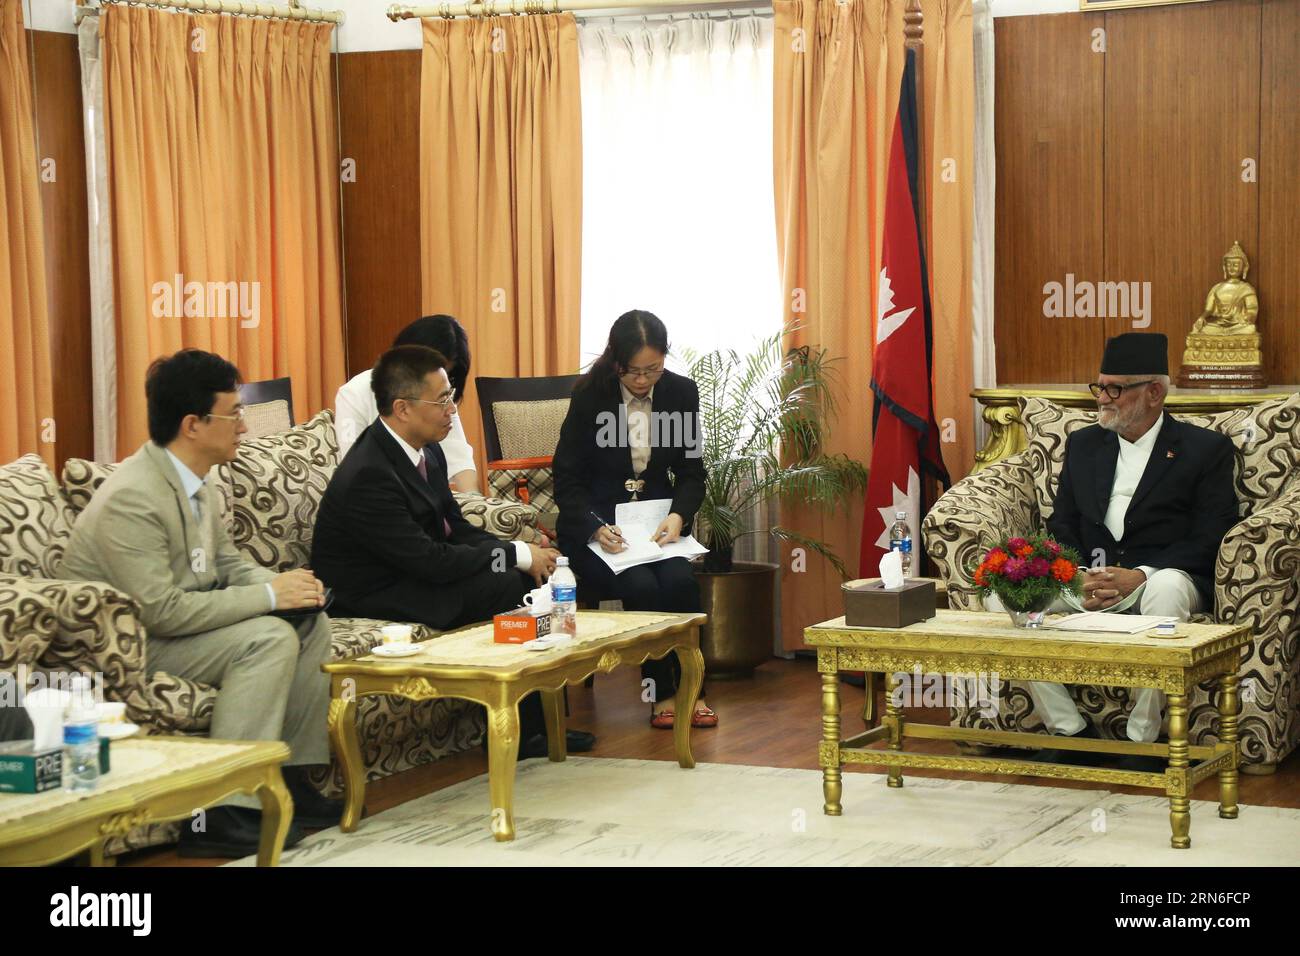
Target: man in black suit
x=391, y=540
x=1146, y=501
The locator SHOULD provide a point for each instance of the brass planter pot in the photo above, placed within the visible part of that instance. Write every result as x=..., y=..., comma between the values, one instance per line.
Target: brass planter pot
x=741, y=605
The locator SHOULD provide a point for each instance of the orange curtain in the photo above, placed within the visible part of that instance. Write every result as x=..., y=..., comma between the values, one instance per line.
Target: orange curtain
x=223, y=173
x=501, y=193
x=837, y=71
x=26, y=395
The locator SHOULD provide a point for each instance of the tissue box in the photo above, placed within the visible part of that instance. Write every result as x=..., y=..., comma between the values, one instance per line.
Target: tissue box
x=868, y=604
x=26, y=770
x=520, y=626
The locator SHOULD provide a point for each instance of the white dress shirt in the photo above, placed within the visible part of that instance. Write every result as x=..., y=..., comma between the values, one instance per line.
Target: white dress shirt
x=355, y=409
x=638, y=426
x=523, y=557
x=1129, y=466
x=193, y=484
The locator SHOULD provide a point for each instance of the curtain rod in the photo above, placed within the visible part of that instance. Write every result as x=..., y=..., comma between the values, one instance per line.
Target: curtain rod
x=294, y=11
x=481, y=8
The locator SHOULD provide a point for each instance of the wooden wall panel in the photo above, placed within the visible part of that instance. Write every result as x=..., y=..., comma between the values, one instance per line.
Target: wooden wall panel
x=60, y=137
x=380, y=129
x=1049, y=141
x=1182, y=113
x=1274, y=261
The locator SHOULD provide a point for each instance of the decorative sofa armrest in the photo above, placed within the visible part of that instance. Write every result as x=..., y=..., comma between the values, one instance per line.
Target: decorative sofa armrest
x=99, y=631
x=1257, y=583
x=510, y=520
x=27, y=623
x=971, y=515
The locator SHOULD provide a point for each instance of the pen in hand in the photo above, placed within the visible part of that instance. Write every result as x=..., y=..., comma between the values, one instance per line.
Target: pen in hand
x=604, y=524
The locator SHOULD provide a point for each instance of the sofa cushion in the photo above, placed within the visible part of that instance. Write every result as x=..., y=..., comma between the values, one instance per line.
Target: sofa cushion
x=82, y=478
x=27, y=623
x=276, y=485
x=35, y=519
x=1266, y=437
x=181, y=705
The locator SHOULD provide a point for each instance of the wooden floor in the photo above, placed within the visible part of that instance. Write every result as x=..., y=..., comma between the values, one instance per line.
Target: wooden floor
x=772, y=720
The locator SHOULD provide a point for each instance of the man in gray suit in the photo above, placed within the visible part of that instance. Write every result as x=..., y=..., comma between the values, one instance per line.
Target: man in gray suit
x=154, y=531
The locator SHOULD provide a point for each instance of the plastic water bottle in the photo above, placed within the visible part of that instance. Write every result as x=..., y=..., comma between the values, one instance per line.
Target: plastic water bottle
x=81, y=739
x=564, y=600
x=900, y=540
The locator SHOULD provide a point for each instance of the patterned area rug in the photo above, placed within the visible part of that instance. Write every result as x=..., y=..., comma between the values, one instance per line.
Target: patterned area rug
x=603, y=812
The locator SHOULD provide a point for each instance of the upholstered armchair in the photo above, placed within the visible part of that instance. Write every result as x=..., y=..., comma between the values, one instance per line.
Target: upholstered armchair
x=1257, y=576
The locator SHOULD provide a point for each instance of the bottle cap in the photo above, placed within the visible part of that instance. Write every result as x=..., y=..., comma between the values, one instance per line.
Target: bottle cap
x=561, y=562
x=900, y=515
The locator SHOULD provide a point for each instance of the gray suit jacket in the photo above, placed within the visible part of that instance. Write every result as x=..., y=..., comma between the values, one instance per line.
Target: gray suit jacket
x=139, y=534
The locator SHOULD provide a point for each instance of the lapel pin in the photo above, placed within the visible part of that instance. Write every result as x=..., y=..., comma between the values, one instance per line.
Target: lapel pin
x=1169, y=453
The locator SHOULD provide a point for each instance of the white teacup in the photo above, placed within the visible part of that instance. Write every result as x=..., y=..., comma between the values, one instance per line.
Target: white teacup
x=539, y=599
x=396, y=633
x=112, y=712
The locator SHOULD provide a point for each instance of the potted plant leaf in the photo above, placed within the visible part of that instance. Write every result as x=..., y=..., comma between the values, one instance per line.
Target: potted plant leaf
x=764, y=417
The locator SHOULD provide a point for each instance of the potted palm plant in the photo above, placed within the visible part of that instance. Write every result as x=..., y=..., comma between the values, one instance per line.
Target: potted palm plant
x=763, y=419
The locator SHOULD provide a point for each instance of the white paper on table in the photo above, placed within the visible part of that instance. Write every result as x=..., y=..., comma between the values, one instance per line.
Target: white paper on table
x=1101, y=622
x=638, y=520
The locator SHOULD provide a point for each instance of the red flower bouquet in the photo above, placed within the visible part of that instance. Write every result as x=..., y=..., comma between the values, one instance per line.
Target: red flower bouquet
x=1028, y=574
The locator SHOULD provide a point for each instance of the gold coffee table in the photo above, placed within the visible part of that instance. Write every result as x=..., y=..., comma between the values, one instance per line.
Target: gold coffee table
x=968, y=642
x=466, y=663
x=152, y=780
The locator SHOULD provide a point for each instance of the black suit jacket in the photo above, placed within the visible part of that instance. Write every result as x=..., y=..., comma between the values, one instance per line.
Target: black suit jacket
x=380, y=529
x=1183, y=506
x=590, y=469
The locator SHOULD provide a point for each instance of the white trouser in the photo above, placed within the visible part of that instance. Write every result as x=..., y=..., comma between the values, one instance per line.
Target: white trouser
x=1168, y=593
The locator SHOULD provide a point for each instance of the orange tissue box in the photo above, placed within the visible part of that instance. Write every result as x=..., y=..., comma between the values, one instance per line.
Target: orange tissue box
x=520, y=626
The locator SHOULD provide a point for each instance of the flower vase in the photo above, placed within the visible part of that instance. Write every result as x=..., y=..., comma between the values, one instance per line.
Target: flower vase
x=1030, y=617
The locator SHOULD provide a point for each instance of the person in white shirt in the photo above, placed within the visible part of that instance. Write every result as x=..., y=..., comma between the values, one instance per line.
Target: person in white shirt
x=354, y=405
x=1145, y=500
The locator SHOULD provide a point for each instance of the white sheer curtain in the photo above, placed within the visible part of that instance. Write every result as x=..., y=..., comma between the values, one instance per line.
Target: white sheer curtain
x=985, y=188
x=103, y=328
x=678, y=213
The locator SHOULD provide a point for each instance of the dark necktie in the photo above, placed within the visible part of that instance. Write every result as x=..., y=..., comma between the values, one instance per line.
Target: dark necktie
x=423, y=469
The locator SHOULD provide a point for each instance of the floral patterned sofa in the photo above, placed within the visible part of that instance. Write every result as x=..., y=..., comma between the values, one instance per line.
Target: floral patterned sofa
x=270, y=494
x=1257, y=577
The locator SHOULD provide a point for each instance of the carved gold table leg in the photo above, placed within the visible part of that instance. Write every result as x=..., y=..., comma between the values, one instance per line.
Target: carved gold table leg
x=277, y=811
x=1228, y=708
x=343, y=739
x=503, y=753
x=96, y=855
x=553, y=712
x=1180, y=817
x=869, y=700
x=688, y=691
x=894, y=719
x=832, y=775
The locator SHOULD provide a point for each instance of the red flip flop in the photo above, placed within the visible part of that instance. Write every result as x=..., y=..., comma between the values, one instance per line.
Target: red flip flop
x=662, y=721
x=704, y=717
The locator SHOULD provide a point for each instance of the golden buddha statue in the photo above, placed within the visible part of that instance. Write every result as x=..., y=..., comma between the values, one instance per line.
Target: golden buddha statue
x=1232, y=306
x=1223, y=346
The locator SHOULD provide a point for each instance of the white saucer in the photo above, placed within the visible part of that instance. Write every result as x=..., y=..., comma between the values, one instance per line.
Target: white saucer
x=395, y=650
x=118, y=731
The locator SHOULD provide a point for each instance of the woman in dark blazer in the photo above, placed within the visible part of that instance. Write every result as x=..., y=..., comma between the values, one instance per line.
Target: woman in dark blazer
x=605, y=457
